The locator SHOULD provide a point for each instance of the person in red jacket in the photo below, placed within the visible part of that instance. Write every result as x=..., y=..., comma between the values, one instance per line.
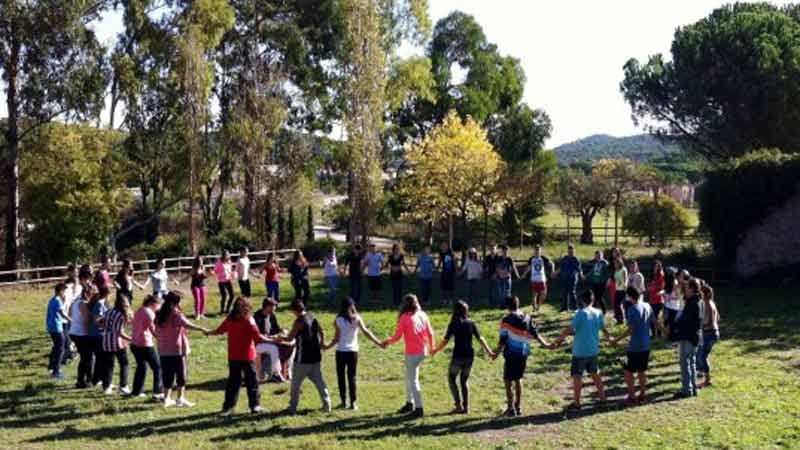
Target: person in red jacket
x=242, y=334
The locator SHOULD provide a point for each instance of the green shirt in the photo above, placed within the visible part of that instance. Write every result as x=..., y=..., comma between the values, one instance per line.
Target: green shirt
x=598, y=273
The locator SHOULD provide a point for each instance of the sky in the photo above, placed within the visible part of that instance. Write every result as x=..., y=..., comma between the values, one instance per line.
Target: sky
x=572, y=51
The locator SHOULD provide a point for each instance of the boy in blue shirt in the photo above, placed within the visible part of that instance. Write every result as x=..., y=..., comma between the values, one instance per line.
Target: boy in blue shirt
x=639, y=318
x=425, y=265
x=586, y=326
x=54, y=323
x=570, y=273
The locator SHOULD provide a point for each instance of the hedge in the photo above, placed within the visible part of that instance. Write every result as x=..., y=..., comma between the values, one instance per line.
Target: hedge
x=739, y=194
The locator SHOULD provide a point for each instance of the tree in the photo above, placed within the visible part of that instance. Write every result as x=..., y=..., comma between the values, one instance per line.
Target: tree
x=732, y=84
x=310, y=224
x=73, y=191
x=450, y=173
x=290, y=241
x=281, y=239
x=53, y=67
x=623, y=175
x=640, y=218
x=584, y=194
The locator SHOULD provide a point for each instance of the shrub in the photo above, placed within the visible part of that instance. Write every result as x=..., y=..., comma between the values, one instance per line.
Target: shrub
x=317, y=249
x=230, y=239
x=737, y=195
x=165, y=246
x=647, y=218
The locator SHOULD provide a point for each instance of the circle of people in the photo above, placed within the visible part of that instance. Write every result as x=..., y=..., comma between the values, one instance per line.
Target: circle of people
x=80, y=315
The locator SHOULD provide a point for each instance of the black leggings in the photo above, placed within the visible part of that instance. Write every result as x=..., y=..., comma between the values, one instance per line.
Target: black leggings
x=347, y=361
x=226, y=297
x=619, y=307
x=146, y=356
x=173, y=371
x=397, y=287
x=235, y=370
x=98, y=369
x=301, y=290
x=108, y=367
x=84, y=345
x=598, y=289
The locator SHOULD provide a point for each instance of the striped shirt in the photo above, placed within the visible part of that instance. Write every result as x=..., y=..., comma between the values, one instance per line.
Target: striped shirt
x=516, y=332
x=114, y=320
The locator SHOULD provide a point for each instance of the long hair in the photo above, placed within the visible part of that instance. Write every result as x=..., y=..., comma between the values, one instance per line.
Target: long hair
x=410, y=305
x=658, y=269
x=241, y=309
x=299, y=258
x=149, y=299
x=123, y=305
x=197, y=266
x=172, y=303
x=694, y=285
x=670, y=281
x=460, y=312
x=347, y=309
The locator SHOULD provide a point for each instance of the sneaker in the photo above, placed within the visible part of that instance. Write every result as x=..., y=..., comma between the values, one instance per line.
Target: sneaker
x=354, y=406
x=456, y=410
x=407, y=408
x=518, y=411
x=256, y=410
x=342, y=406
x=159, y=397
x=139, y=395
x=168, y=402
x=80, y=385
x=276, y=378
x=327, y=407
x=125, y=390
x=58, y=376
x=109, y=390
x=183, y=403
x=226, y=412
x=509, y=412
x=417, y=413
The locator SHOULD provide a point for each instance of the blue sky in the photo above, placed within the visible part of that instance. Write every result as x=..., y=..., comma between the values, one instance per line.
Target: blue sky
x=572, y=51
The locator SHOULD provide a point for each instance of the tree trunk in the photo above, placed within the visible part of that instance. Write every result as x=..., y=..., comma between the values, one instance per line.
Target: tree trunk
x=450, y=230
x=351, y=223
x=485, y=230
x=249, y=198
x=12, y=168
x=587, y=237
x=616, y=218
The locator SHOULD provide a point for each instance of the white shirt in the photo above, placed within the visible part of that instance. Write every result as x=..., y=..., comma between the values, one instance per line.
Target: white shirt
x=330, y=266
x=672, y=300
x=537, y=270
x=636, y=280
x=243, y=268
x=474, y=270
x=77, y=324
x=348, y=334
x=73, y=291
x=159, y=278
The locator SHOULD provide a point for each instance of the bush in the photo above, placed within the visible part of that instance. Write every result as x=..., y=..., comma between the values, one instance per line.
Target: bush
x=317, y=249
x=648, y=219
x=230, y=239
x=737, y=195
x=165, y=246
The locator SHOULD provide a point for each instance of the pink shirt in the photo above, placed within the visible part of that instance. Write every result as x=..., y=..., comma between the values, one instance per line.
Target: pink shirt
x=222, y=271
x=172, y=339
x=143, y=327
x=416, y=331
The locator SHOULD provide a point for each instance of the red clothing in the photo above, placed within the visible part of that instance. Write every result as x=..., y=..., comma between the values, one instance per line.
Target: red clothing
x=656, y=286
x=272, y=273
x=242, y=334
x=417, y=332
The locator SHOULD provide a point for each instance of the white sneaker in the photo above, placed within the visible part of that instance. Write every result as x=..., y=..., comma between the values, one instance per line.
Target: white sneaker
x=183, y=403
x=226, y=413
x=109, y=390
x=159, y=397
x=257, y=410
x=124, y=390
x=168, y=402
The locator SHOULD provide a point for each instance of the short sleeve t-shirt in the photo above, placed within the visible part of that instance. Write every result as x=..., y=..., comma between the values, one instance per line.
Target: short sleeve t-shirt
x=242, y=334
x=462, y=330
x=516, y=332
x=621, y=279
x=505, y=264
x=374, y=263
x=537, y=265
x=54, y=321
x=267, y=325
x=243, y=268
x=598, y=273
x=143, y=327
x=159, y=279
x=354, y=261
x=639, y=317
x=570, y=267
x=425, y=263
x=490, y=265
x=172, y=336
x=587, y=324
x=474, y=270
x=97, y=311
x=223, y=271
x=448, y=261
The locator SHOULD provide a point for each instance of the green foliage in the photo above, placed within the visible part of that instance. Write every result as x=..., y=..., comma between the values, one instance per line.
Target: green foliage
x=732, y=84
x=646, y=217
x=317, y=249
x=520, y=133
x=231, y=239
x=290, y=228
x=166, y=245
x=73, y=191
x=639, y=148
x=737, y=195
x=310, y=224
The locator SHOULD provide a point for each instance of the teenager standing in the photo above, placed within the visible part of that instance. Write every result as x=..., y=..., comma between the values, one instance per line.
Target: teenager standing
x=272, y=276
x=447, y=270
x=309, y=338
x=143, y=349
x=639, y=319
x=425, y=266
x=373, y=262
x=330, y=267
x=396, y=263
x=474, y=272
x=55, y=321
x=299, y=272
x=243, y=272
x=115, y=345
x=222, y=269
x=598, y=276
x=710, y=334
x=688, y=331
x=538, y=266
x=355, y=267
x=80, y=317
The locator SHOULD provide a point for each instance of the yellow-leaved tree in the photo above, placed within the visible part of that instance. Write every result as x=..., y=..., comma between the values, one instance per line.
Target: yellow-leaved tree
x=452, y=172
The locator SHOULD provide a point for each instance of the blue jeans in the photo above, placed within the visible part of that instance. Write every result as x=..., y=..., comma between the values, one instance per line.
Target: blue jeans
x=333, y=284
x=503, y=289
x=687, y=353
x=425, y=290
x=56, y=353
x=273, y=290
x=709, y=339
x=570, y=296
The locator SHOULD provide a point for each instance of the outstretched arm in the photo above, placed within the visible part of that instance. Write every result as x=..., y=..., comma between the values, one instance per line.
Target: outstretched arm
x=336, y=334
x=367, y=333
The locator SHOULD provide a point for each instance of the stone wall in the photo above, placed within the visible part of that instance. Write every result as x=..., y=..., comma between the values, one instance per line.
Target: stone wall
x=774, y=243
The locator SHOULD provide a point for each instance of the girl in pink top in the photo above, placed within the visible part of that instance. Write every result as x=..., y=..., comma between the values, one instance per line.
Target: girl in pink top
x=173, y=347
x=143, y=349
x=223, y=271
x=417, y=333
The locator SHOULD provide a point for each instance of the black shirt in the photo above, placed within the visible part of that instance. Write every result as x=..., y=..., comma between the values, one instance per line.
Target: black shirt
x=268, y=326
x=198, y=279
x=490, y=265
x=125, y=285
x=298, y=272
x=308, y=345
x=463, y=330
x=354, y=261
x=395, y=261
x=689, y=324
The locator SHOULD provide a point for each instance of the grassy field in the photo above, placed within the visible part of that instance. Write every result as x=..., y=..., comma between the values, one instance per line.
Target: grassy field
x=554, y=217
x=755, y=402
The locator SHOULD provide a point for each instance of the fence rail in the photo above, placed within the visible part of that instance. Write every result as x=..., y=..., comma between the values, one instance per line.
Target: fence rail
x=34, y=275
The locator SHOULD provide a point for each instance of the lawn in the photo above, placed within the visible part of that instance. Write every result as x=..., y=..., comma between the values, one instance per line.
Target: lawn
x=755, y=402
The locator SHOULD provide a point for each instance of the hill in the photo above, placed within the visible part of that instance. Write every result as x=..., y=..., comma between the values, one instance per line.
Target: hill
x=640, y=147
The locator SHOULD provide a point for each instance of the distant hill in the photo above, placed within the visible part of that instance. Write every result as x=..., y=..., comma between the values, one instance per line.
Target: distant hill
x=640, y=147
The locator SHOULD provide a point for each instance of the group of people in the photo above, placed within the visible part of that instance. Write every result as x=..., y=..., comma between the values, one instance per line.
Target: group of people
x=82, y=312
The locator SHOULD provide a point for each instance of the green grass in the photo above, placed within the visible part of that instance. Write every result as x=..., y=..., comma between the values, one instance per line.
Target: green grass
x=554, y=217
x=755, y=402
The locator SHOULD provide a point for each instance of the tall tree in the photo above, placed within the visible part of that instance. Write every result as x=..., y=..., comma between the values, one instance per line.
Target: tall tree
x=732, y=83
x=53, y=67
x=623, y=175
x=584, y=194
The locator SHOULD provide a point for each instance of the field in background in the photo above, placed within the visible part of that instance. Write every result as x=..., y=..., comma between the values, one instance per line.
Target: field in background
x=755, y=402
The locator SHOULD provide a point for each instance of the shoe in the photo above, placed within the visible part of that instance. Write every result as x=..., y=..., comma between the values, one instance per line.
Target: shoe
x=125, y=390
x=183, y=403
x=680, y=395
x=456, y=410
x=58, y=376
x=80, y=385
x=289, y=412
x=417, y=413
x=573, y=407
x=276, y=378
x=354, y=406
x=509, y=412
x=256, y=410
x=326, y=407
x=109, y=390
x=226, y=412
x=342, y=406
x=159, y=397
x=168, y=402
x=518, y=412
x=407, y=408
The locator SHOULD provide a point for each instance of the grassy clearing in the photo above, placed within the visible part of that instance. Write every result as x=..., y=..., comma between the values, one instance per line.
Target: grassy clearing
x=755, y=402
